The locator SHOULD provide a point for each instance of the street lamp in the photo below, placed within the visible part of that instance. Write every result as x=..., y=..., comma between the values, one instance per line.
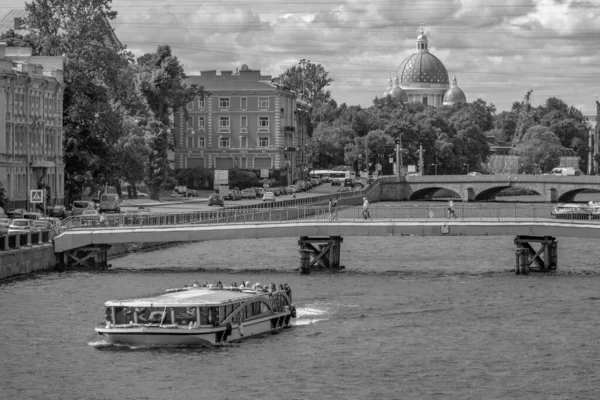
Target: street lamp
x=435, y=166
x=467, y=168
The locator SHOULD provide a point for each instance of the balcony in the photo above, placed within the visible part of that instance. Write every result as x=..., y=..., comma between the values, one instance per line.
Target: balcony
x=289, y=129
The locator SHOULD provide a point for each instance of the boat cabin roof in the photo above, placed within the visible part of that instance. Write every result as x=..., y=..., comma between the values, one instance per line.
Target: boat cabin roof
x=192, y=297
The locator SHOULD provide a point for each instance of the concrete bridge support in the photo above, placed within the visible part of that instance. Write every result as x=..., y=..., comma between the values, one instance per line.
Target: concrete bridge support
x=319, y=252
x=551, y=195
x=468, y=194
x=545, y=259
x=95, y=257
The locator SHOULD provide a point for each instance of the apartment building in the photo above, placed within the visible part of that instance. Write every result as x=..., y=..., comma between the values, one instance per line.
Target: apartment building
x=31, y=131
x=247, y=121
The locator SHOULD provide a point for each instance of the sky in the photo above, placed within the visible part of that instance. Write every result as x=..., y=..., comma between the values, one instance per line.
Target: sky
x=497, y=49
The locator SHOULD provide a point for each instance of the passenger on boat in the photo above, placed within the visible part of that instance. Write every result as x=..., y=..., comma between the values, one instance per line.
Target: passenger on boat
x=205, y=284
x=196, y=284
x=220, y=285
x=242, y=285
x=233, y=284
x=247, y=284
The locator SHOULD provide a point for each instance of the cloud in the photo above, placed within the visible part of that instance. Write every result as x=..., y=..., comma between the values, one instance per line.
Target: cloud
x=497, y=50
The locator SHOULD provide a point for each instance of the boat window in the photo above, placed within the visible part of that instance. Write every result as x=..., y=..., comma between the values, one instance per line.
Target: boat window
x=124, y=315
x=153, y=315
x=185, y=315
x=204, y=316
x=228, y=310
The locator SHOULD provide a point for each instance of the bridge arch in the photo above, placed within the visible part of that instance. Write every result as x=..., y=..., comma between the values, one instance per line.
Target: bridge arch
x=428, y=192
x=491, y=192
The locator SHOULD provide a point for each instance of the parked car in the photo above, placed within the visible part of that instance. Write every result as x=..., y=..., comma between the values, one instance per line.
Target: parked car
x=90, y=217
x=110, y=202
x=4, y=225
x=59, y=212
x=32, y=215
x=269, y=196
x=216, y=199
x=248, y=194
x=233, y=194
x=80, y=206
x=16, y=213
x=21, y=225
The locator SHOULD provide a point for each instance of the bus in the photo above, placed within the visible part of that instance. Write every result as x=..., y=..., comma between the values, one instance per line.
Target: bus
x=334, y=176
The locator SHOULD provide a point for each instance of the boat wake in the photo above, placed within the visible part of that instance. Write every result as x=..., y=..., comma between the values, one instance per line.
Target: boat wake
x=310, y=315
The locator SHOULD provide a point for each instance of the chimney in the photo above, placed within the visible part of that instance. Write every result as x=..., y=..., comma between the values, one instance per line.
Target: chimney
x=19, y=23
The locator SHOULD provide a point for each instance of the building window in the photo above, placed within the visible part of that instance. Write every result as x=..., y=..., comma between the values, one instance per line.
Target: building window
x=201, y=142
x=263, y=122
x=263, y=102
x=244, y=122
x=190, y=142
x=200, y=104
x=224, y=122
x=224, y=141
x=190, y=122
x=190, y=106
x=200, y=122
x=243, y=163
x=263, y=141
x=424, y=100
x=223, y=102
x=244, y=105
x=243, y=141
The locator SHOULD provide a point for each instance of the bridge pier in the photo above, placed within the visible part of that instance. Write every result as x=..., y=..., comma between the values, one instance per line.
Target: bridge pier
x=551, y=195
x=468, y=194
x=91, y=256
x=545, y=259
x=326, y=253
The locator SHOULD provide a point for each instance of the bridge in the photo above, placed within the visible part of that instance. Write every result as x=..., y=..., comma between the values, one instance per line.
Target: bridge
x=321, y=236
x=486, y=187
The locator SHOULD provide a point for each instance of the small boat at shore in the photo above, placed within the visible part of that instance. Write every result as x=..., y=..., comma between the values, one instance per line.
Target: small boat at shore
x=197, y=316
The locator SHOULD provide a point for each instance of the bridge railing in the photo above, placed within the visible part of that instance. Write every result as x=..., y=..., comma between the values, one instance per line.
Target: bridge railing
x=425, y=213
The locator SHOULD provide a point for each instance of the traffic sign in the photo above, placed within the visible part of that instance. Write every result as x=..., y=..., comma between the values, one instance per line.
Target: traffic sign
x=36, y=196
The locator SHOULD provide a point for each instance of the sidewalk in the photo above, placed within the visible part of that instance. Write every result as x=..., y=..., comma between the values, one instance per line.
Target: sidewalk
x=163, y=202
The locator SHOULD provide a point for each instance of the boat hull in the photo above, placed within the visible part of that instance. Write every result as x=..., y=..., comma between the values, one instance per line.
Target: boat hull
x=197, y=337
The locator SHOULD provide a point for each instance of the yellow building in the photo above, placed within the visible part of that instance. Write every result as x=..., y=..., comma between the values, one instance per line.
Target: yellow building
x=247, y=121
x=31, y=131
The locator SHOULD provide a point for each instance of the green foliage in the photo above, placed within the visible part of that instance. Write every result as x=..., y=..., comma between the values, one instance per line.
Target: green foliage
x=243, y=179
x=78, y=29
x=309, y=80
x=3, y=196
x=540, y=147
x=196, y=178
x=326, y=147
x=159, y=91
x=13, y=39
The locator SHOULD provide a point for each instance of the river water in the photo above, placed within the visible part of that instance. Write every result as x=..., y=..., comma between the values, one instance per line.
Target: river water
x=410, y=318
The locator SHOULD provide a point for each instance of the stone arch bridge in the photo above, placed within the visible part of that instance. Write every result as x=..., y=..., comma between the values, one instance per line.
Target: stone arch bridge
x=486, y=187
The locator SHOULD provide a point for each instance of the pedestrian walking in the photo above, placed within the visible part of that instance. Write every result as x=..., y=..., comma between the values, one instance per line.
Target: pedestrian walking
x=451, y=212
x=366, y=213
x=334, y=210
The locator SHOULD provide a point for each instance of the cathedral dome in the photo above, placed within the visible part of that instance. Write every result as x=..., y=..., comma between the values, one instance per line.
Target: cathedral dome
x=397, y=92
x=454, y=94
x=422, y=67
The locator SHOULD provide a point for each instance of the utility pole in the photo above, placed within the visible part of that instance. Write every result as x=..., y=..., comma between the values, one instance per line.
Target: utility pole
x=398, y=159
x=420, y=159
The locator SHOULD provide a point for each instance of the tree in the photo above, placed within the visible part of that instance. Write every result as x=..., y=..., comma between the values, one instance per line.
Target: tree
x=326, y=147
x=160, y=87
x=308, y=79
x=78, y=29
x=541, y=147
x=3, y=196
x=13, y=39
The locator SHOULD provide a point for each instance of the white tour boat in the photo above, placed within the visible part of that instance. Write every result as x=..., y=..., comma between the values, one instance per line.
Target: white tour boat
x=197, y=316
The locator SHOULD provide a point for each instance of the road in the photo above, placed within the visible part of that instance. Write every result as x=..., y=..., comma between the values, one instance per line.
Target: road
x=201, y=204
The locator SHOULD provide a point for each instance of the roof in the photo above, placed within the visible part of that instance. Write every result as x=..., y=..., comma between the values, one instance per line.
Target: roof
x=245, y=80
x=422, y=68
x=7, y=20
x=186, y=298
